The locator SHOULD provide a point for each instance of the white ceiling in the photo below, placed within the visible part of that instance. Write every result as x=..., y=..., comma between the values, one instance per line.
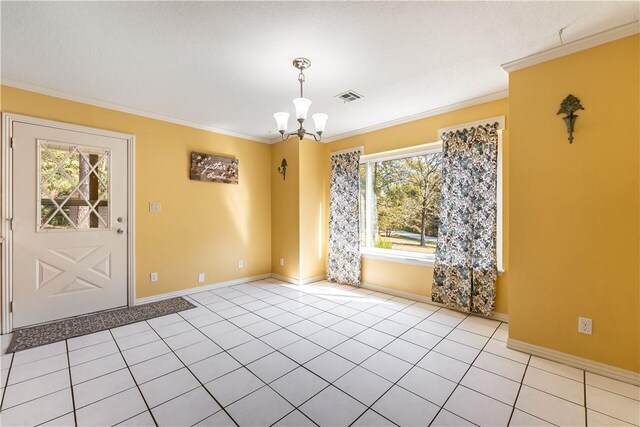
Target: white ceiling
x=228, y=64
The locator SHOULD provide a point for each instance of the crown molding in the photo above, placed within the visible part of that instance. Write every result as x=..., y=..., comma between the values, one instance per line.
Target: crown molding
x=574, y=46
x=97, y=103
x=429, y=113
x=103, y=104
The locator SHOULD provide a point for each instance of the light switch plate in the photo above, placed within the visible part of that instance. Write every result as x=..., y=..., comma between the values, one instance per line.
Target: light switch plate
x=155, y=207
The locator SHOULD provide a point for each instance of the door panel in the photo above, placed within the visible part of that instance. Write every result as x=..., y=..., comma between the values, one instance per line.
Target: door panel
x=69, y=257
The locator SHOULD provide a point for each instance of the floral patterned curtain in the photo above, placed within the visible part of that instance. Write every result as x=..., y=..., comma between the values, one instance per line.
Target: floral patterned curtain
x=343, y=258
x=465, y=270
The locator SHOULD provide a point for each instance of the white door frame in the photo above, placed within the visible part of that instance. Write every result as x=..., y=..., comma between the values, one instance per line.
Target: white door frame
x=6, y=178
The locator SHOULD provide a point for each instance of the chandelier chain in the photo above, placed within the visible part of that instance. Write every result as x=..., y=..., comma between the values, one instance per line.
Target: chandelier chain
x=301, y=80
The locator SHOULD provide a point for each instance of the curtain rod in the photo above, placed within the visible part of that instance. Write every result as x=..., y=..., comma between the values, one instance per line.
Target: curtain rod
x=349, y=150
x=499, y=119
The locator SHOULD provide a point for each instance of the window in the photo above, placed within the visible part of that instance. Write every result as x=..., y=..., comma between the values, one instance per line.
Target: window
x=400, y=203
x=73, y=187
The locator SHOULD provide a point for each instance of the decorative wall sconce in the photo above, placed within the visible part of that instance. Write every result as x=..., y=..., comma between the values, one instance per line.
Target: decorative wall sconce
x=569, y=106
x=283, y=169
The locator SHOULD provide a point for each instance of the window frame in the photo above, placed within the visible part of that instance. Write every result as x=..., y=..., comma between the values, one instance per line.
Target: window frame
x=416, y=258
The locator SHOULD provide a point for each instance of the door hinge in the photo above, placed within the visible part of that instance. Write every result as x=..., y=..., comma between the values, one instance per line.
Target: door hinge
x=10, y=223
x=11, y=307
x=11, y=142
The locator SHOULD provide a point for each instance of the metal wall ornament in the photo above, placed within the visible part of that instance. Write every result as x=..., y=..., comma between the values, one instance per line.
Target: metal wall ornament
x=283, y=169
x=569, y=106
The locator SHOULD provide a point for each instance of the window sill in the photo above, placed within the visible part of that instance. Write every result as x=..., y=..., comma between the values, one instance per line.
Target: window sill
x=404, y=259
x=399, y=258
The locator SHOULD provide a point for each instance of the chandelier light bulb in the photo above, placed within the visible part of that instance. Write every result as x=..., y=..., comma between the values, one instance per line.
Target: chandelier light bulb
x=320, y=120
x=282, y=120
x=302, y=107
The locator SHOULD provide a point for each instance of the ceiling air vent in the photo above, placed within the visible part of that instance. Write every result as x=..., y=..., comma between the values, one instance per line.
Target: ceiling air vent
x=349, y=96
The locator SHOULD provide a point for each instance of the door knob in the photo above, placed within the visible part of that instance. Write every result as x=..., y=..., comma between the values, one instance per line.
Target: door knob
x=119, y=231
x=120, y=219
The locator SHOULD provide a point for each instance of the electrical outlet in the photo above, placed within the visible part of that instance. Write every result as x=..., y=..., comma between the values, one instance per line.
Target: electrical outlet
x=240, y=263
x=281, y=262
x=201, y=278
x=154, y=277
x=155, y=207
x=584, y=325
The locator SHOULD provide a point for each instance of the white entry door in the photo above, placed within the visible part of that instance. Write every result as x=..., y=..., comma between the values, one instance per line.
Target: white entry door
x=69, y=223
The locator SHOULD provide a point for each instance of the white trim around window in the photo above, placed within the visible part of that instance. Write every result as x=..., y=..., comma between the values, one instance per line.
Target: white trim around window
x=417, y=258
x=432, y=147
x=368, y=251
x=402, y=257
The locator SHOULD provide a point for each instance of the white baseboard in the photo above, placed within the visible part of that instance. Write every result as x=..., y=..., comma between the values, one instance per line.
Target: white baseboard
x=197, y=289
x=421, y=298
x=575, y=361
x=298, y=282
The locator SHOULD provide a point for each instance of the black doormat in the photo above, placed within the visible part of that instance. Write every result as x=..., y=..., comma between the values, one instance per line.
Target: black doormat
x=87, y=324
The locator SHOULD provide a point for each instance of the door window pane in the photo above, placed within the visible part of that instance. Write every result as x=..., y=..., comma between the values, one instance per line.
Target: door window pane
x=74, y=186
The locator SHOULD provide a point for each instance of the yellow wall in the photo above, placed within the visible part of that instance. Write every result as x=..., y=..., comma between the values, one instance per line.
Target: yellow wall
x=574, y=208
x=203, y=227
x=414, y=278
x=299, y=209
x=313, y=193
x=285, y=199
x=571, y=212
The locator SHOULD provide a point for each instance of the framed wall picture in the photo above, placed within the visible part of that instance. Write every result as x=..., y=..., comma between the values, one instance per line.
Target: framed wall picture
x=210, y=168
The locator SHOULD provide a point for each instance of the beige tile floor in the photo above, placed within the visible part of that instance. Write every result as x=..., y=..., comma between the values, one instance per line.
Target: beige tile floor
x=268, y=353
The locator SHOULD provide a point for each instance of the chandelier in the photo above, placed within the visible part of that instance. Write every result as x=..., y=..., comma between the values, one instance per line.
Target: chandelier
x=302, y=105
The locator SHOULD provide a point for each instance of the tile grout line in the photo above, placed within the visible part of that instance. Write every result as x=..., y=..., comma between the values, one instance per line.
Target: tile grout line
x=323, y=326
x=6, y=383
x=462, y=377
x=399, y=337
x=414, y=365
x=292, y=299
x=39, y=397
x=302, y=318
x=114, y=371
x=197, y=379
x=73, y=398
x=584, y=388
x=348, y=338
x=242, y=365
x=134, y=381
x=393, y=384
x=513, y=408
x=37, y=376
x=296, y=407
x=301, y=365
x=301, y=338
x=291, y=412
x=30, y=400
